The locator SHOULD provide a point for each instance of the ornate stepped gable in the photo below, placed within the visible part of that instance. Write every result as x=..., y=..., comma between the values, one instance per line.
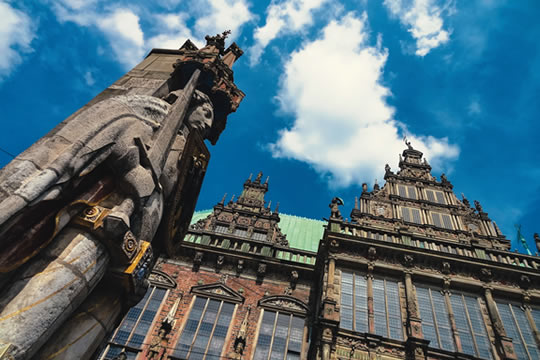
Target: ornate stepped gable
x=249, y=217
x=412, y=200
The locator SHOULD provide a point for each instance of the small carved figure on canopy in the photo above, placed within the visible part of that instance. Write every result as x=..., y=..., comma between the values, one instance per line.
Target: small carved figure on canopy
x=334, y=208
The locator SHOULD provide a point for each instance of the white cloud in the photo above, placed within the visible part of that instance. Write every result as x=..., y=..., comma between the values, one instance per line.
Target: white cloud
x=16, y=35
x=220, y=15
x=288, y=16
x=125, y=35
x=343, y=125
x=173, y=33
x=474, y=108
x=122, y=25
x=423, y=19
x=89, y=78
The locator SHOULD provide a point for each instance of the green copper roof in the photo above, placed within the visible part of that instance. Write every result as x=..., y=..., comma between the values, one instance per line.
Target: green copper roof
x=302, y=233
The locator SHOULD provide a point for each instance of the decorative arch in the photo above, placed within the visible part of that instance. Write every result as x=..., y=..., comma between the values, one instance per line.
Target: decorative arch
x=284, y=303
x=162, y=280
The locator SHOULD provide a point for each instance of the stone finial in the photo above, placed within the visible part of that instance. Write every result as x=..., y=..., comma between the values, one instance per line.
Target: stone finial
x=222, y=202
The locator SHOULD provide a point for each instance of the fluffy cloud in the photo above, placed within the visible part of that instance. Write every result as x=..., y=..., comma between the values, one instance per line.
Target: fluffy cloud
x=220, y=15
x=16, y=35
x=343, y=126
x=423, y=19
x=125, y=35
x=288, y=16
x=129, y=42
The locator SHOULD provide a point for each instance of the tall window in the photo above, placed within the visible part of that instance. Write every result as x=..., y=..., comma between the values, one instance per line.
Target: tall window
x=435, y=321
x=411, y=215
x=442, y=220
x=407, y=191
x=435, y=196
x=280, y=336
x=518, y=328
x=470, y=325
x=204, y=333
x=354, y=305
x=386, y=308
x=130, y=335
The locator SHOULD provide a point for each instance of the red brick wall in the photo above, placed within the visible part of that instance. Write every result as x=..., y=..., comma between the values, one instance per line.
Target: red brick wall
x=186, y=278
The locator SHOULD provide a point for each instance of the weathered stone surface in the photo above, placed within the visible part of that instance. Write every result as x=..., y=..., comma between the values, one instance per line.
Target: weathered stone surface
x=82, y=333
x=46, y=292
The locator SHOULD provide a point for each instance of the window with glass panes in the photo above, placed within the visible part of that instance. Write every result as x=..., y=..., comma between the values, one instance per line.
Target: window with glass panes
x=442, y=220
x=130, y=335
x=204, y=333
x=354, y=306
x=407, y=191
x=435, y=322
x=518, y=328
x=411, y=215
x=386, y=307
x=470, y=324
x=435, y=196
x=280, y=336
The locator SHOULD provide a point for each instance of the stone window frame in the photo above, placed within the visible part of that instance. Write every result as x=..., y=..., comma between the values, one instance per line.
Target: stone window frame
x=430, y=313
x=408, y=189
x=436, y=197
x=411, y=216
x=442, y=224
x=287, y=305
x=130, y=350
x=213, y=291
x=472, y=332
x=208, y=298
x=401, y=307
x=522, y=342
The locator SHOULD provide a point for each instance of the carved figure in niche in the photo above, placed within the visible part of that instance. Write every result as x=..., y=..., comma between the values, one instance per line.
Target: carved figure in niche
x=334, y=208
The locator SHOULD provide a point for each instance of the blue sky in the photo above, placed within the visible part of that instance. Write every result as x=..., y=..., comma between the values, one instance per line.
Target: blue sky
x=332, y=88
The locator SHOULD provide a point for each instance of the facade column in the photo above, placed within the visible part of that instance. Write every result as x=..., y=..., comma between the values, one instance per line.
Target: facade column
x=416, y=345
x=505, y=343
x=330, y=278
x=371, y=310
x=528, y=312
x=453, y=324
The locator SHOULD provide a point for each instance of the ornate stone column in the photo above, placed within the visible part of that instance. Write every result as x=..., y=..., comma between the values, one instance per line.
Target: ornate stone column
x=416, y=345
x=505, y=343
x=528, y=312
x=455, y=332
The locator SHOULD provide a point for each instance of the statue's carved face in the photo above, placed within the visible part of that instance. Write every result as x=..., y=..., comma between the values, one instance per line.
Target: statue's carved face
x=201, y=113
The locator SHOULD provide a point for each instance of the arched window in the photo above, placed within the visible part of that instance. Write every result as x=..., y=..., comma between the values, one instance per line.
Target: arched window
x=282, y=329
x=203, y=334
